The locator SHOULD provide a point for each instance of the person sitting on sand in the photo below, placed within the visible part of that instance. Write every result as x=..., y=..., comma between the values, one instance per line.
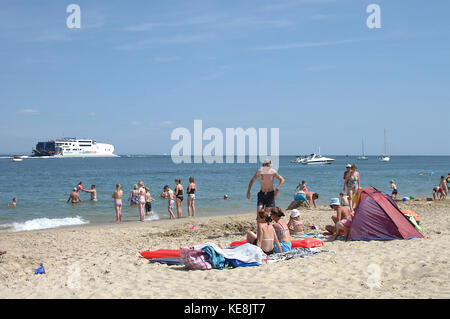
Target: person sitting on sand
x=93, y=193
x=341, y=213
x=13, y=203
x=265, y=237
x=394, y=189
x=117, y=195
x=74, y=197
x=281, y=229
x=169, y=194
x=295, y=224
x=311, y=198
x=343, y=227
x=343, y=199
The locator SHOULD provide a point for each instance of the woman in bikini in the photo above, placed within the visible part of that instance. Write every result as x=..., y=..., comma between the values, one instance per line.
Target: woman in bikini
x=179, y=196
x=265, y=238
x=353, y=184
x=142, y=201
x=134, y=196
x=117, y=195
x=192, y=188
x=281, y=229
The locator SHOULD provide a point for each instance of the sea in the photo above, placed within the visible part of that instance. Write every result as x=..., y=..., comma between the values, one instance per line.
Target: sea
x=43, y=185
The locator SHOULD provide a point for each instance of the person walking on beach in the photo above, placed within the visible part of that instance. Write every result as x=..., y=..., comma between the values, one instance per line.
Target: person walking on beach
x=74, y=197
x=13, y=203
x=148, y=202
x=179, y=190
x=117, y=196
x=267, y=194
x=394, y=189
x=93, y=193
x=352, y=183
x=142, y=201
x=169, y=194
x=192, y=188
x=133, y=199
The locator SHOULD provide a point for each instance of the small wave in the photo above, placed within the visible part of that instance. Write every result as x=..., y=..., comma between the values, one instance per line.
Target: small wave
x=44, y=223
x=153, y=216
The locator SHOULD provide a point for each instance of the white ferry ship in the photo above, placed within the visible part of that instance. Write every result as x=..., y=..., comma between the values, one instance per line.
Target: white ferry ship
x=73, y=147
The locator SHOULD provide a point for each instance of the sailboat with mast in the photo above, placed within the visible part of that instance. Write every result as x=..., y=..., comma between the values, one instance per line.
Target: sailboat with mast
x=362, y=157
x=385, y=157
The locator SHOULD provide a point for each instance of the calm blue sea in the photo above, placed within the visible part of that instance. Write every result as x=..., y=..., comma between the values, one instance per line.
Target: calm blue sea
x=42, y=186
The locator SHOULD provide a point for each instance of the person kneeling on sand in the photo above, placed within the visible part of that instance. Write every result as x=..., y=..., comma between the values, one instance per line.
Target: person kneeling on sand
x=311, y=198
x=299, y=198
x=281, y=229
x=295, y=224
x=341, y=213
x=265, y=238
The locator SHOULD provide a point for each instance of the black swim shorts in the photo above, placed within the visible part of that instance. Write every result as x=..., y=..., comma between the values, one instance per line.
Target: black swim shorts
x=266, y=199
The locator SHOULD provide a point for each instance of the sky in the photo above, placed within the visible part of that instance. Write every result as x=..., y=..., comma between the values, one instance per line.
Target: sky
x=137, y=70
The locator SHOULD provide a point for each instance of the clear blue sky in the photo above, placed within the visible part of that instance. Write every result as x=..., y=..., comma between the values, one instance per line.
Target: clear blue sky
x=138, y=69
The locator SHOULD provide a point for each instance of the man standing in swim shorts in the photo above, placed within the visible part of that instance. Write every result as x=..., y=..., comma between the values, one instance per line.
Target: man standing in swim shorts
x=267, y=194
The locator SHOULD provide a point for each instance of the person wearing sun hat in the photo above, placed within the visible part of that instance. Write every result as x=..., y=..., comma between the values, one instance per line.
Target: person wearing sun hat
x=343, y=216
x=295, y=224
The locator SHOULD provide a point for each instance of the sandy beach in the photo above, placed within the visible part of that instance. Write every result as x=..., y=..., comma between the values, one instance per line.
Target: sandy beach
x=102, y=261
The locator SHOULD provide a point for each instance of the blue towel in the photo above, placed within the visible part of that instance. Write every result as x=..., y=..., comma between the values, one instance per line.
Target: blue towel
x=238, y=263
x=217, y=261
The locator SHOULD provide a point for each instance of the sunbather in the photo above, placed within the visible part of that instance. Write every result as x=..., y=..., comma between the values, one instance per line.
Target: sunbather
x=265, y=238
x=295, y=224
x=281, y=229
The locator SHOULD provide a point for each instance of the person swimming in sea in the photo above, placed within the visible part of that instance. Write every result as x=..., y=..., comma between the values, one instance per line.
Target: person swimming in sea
x=93, y=193
x=74, y=197
x=13, y=203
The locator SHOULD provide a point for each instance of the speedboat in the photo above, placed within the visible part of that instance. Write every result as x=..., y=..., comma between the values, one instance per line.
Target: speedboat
x=16, y=159
x=384, y=158
x=317, y=159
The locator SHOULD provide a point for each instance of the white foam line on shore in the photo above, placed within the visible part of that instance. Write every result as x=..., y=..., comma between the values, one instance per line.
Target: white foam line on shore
x=45, y=223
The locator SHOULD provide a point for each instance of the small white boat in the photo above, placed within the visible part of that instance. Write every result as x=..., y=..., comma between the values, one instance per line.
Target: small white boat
x=362, y=157
x=317, y=159
x=16, y=159
x=384, y=157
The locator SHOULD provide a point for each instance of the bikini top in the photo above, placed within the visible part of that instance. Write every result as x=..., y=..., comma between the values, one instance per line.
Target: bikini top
x=192, y=190
x=280, y=233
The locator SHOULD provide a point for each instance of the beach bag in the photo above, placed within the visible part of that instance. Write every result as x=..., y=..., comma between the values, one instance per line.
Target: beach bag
x=194, y=259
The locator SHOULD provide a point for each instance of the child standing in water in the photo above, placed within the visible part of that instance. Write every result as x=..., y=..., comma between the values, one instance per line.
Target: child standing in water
x=394, y=190
x=148, y=202
x=117, y=195
x=169, y=194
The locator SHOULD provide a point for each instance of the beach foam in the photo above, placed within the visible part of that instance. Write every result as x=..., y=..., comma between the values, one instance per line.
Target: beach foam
x=153, y=216
x=44, y=223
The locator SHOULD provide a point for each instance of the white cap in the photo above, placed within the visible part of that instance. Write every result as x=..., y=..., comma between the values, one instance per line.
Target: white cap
x=267, y=161
x=348, y=165
x=295, y=213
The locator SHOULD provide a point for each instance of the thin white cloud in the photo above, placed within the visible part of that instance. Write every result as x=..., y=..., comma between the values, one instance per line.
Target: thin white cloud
x=28, y=112
x=177, y=39
x=305, y=45
x=166, y=59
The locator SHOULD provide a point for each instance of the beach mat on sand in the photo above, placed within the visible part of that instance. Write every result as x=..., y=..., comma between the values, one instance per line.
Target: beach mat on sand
x=160, y=253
